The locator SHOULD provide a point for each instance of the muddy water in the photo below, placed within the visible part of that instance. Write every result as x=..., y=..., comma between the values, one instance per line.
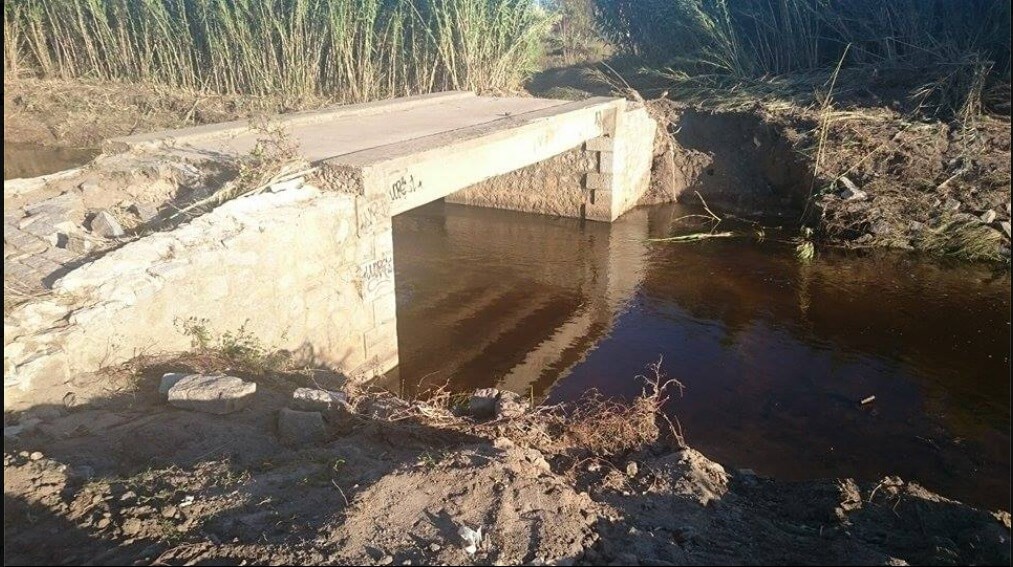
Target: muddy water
x=775, y=356
x=32, y=160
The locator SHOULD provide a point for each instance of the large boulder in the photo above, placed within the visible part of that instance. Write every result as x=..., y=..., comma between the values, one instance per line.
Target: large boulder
x=211, y=394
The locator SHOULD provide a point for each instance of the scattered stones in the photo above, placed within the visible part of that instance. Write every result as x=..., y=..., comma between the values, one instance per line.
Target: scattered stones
x=483, y=402
x=951, y=205
x=105, y=225
x=169, y=379
x=131, y=527
x=510, y=405
x=851, y=192
x=632, y=469
x=300, y=427
x=74, y=242
x=988, y=217
x=211, y=394
x=313, y=399
x=145, y=212
x=490, y=402
x=60, y=206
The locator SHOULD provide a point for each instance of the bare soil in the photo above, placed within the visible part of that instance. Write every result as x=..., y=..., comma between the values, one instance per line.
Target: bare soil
x=82, y=114
x=128, y=479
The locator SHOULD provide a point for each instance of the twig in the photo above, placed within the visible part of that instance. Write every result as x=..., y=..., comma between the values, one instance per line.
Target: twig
x=694, y=237
x=342, y=492
x=706, y=208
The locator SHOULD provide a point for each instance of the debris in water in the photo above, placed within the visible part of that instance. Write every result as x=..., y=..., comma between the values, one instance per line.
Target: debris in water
x=868, y=400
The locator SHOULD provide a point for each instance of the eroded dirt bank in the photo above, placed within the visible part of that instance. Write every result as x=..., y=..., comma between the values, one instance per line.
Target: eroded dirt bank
x=130, y=479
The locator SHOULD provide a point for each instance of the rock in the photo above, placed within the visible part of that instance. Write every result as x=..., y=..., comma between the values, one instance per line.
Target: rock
x=132, y=527
x=105, y=225
x=881, y=228
x=36, y=455
x=60, y=206
x=510, y=405
x=851, y=192
x=632, y=469
x=951, y=204
x=313, y=399
x=211, y=394
x=386, y=560
x=169, y=511
x=385, y=407
x=145, y=212
x=915, y=226
x=483, y=402
x=1005, y=227
x=169, y=379
x=103, y=523
x=301, y=427
x=988, y=217
x=74, y=242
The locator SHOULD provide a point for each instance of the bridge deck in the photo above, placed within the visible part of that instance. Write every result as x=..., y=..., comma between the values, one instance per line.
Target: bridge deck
x=344, y=130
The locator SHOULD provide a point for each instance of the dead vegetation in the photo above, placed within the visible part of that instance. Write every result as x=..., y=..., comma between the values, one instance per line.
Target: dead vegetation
x=129, y=479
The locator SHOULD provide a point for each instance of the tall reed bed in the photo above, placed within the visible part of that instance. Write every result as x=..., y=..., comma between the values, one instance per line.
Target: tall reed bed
x=353, y=50
x=958, y=47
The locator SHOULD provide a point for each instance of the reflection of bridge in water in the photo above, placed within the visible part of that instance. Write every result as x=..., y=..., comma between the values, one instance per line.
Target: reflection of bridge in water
x=527, y=315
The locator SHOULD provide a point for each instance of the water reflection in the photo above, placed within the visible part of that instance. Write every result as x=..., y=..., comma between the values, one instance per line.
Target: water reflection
x=31, y=160
x=775, y=355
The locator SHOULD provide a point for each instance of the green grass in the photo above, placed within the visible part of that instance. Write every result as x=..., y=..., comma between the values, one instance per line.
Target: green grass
x=352, y=50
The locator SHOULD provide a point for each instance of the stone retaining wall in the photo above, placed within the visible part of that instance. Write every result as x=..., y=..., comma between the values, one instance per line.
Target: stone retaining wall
x=291, y=267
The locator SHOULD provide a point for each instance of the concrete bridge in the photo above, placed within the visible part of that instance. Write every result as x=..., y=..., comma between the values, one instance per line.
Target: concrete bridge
x=308, y=264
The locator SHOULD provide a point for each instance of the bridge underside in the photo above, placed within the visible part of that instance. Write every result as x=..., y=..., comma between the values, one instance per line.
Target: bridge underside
x=309, y=266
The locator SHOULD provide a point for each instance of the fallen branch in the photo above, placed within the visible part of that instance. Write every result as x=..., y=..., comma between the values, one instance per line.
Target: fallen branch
x=694, y=237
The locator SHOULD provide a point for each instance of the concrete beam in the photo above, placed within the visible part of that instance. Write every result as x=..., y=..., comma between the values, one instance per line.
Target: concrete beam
x=420, y=171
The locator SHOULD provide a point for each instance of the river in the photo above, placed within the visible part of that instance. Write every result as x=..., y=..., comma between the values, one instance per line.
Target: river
x=775, y=355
